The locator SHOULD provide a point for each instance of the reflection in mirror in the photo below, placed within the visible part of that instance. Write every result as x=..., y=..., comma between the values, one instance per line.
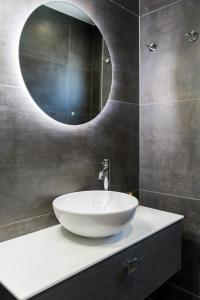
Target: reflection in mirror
x=65, y=63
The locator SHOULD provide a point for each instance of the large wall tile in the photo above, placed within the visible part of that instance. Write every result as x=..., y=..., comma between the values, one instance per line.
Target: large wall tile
x=172, y=72
x=132, y=5
x=16, y=229
x=170, y=148
x=125, y=60
x=42, y=159
x=189, y=208
x=50, y=43
x=147, y=6
x=189, y=276
x=121, y=139
x=80, y=44
x=170, y=135
x=47, y=83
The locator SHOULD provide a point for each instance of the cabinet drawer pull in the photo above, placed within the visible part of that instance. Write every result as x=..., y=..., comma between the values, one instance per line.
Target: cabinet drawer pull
x=131, y=266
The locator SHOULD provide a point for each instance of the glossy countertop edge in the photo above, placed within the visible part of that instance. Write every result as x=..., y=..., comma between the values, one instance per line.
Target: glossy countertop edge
x=174, y=218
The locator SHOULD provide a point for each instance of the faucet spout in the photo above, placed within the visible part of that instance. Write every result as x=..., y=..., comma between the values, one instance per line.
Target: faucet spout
x=104, y=174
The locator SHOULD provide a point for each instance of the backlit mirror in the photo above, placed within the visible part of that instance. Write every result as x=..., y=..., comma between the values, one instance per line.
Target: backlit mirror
x=65, y=63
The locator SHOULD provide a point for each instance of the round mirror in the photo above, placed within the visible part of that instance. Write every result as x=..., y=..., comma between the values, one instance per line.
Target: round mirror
x=65, y=63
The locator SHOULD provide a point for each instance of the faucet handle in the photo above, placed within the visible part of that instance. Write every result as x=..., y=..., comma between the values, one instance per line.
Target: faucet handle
x=106, y=162
x=100, y=175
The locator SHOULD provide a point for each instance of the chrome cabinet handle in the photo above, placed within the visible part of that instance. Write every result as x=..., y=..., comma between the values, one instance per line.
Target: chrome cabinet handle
x=131, y=266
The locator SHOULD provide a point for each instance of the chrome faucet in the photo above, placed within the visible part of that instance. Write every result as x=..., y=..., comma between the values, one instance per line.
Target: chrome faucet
x=104, y=174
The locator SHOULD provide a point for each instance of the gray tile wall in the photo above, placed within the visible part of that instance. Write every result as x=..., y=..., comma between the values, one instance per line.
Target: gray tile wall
x=170, y=129
x=41, y=158
x=130, y=5
x=147, y=6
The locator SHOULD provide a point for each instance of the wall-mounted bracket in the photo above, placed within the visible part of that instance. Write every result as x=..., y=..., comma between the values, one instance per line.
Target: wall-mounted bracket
x=152, y=46
x=192, y=36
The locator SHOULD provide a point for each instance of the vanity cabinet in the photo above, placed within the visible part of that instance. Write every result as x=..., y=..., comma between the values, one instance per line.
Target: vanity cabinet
x=131, y=274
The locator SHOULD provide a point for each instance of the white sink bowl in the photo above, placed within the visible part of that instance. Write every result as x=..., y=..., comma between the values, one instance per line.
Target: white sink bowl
x=95, y=214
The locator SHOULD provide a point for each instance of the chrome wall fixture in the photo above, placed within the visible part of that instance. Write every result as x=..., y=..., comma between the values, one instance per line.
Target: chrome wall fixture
x=107, y=59
x=152, y=46
x=192, y=36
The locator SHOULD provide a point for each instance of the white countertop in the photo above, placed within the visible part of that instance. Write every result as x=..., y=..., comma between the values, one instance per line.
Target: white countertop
x=34, y=262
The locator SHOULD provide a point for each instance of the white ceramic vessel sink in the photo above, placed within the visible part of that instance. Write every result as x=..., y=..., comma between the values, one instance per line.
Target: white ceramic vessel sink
x=95, y=214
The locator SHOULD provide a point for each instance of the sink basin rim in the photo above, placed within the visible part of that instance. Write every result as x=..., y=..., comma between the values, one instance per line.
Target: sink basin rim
x=131, y=206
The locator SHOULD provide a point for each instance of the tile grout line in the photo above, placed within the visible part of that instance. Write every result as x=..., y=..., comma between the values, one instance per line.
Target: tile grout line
x=124, y=102
x=163, y=7
x=141, y=104
x=43, y=59
x=123, y=7
x=183, y=290
x=170, y=102
x=140, y=122
x=10, y=86
x=173, y=195
x=24, y=220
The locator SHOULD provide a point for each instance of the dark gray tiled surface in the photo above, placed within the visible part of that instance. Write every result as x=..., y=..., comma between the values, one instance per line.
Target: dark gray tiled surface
x=40, y=158
x=47, y=83
x=12, y=19
x=111, y=19
x=45, y=35
x=188, y=207
x=54, y=86
x=80, y=46
x=170, y=148
x=132, y=5
x=170, y=140
x=124, y=58
x=172, y=72
x=189, y=276
x=171, y=292
x=147, y=6
x=13, y=230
